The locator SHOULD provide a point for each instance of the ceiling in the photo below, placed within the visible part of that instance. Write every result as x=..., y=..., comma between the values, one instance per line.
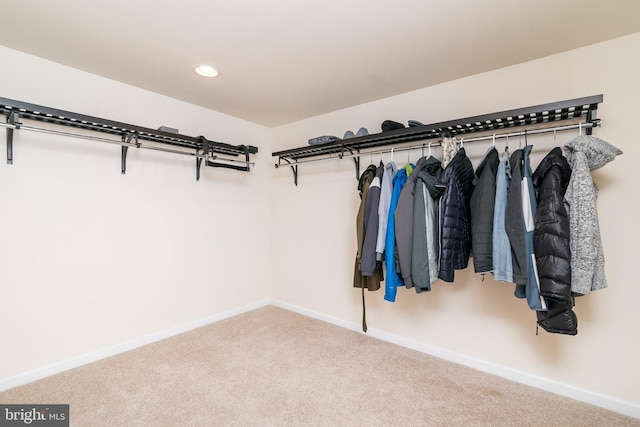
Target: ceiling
x=286, y=60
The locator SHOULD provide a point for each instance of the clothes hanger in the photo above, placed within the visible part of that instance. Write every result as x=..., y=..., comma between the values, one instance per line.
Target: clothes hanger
x=392, y=154
x=525, y=138
x=580, y=127
x=493, y=142
x=506, y=145
x=429, y=149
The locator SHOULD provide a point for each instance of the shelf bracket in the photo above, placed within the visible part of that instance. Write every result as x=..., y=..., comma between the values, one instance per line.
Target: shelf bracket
x=125, y=149
x=12, y=119
x=198, y=166
x=356, y=161
x=592, y=117
x=294, y=168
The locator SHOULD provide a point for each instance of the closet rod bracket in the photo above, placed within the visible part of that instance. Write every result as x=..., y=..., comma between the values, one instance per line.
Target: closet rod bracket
x=198, y=166
x=12, y=119
x=294, y=168
x=592, y=118
x=125, y=149
x=356, y=160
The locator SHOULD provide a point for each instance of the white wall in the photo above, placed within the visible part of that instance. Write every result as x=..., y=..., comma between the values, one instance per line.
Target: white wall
x=91, y=258
x=314, y=232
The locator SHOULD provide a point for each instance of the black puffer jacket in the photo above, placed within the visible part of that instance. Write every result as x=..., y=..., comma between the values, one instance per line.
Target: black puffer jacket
x=482, y=206
x=551, y=244
x=455, y=216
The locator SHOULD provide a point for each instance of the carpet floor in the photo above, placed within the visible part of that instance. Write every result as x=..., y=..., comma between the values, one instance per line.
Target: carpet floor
x=273, y=367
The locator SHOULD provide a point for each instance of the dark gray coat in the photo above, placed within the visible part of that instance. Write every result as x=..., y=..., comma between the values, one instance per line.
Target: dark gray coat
x=482, y=205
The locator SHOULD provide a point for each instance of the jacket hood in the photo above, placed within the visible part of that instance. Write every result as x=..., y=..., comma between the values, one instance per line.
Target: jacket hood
x=597, y=152
x=429, y=171
x=367, y=175
x=420, y=164
x=553, y=159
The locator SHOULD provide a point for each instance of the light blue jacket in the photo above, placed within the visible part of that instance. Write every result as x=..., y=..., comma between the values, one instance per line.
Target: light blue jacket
x=390, y=171
x=502, y=262
x=393, y=279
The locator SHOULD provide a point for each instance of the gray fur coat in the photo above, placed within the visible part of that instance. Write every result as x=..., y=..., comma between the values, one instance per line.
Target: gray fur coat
x=585, y=153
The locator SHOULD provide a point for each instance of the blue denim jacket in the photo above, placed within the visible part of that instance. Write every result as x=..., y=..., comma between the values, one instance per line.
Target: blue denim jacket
x=502, y=262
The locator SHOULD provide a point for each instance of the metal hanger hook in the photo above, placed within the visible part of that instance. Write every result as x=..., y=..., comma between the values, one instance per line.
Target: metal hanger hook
x=494, y=140
x=429, y=149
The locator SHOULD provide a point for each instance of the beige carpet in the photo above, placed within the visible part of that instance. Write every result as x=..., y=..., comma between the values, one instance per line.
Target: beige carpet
x=272, y=367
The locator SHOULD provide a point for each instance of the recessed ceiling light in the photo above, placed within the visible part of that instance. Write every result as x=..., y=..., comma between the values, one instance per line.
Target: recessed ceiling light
x=206, y=71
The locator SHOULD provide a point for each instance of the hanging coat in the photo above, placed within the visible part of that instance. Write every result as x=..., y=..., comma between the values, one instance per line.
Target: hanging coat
x=502, y=261
x=514, y=225
x=456, y=181
x=424, y=251
x=368, y=263
x=586, y=153
x=532, y=290
x=372, y=283
x=551, y=244
x=386, y=191
x=404, y=227
x=482, y=206
x=394, y=280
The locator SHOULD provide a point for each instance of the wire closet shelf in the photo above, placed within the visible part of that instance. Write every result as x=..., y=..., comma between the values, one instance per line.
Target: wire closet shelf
x=551, y=117
x=215, y=154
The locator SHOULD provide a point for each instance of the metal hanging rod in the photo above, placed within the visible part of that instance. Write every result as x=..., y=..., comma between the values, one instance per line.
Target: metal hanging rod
x=199, y=147
x=438, y=143
x=115, y=142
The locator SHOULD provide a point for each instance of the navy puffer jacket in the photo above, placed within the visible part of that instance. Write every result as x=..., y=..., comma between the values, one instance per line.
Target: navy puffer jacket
x=455, y=217
x=551, y=244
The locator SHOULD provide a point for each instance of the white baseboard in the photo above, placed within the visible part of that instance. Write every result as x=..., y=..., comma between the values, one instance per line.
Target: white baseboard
x=606, y=402
x=65, y=365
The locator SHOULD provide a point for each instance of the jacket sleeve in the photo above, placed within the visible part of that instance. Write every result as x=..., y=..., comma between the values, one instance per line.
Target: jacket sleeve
x=404, y=230
x=514, y=225
x=551, y=239
x=419, y=252
x=386, y=190
x=368, y=260
x=586, y=246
